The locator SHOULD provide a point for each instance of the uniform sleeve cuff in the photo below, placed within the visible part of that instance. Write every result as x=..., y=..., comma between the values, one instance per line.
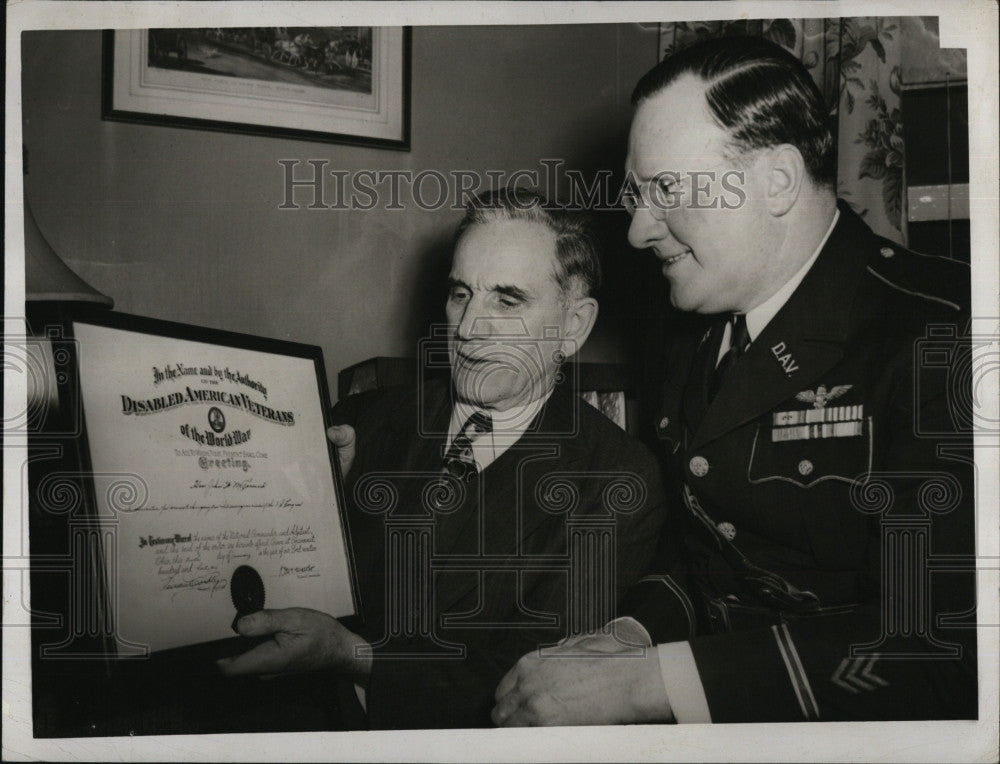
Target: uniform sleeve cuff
x=684, y=689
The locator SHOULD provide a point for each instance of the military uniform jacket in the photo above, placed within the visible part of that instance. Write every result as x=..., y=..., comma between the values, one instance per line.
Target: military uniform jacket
x=575, y=506
x=821, y=564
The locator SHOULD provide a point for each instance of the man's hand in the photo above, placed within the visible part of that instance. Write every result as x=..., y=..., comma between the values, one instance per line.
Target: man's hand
x=593, y=679
x=342, y=436
x=301, y=640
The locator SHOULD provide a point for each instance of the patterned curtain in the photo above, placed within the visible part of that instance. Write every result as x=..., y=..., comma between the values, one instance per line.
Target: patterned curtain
x=856, y=62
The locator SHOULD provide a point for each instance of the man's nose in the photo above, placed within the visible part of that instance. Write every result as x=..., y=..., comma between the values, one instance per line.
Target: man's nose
x=648, y=227
x=479, y=321
x=474, y=322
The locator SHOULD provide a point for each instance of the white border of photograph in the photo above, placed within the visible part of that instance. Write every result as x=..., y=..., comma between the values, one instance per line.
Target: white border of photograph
x=970, y=24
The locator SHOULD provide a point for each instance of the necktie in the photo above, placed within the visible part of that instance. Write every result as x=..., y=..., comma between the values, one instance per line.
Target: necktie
x=739, y=341
x=459, y=461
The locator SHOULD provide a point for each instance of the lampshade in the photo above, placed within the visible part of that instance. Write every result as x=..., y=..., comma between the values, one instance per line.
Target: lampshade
x=47, y=277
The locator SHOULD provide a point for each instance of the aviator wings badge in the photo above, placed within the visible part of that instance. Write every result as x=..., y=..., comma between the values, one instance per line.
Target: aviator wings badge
x=822, y=396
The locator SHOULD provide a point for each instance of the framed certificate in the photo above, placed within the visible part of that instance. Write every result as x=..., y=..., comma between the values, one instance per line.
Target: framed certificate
x=212, y=481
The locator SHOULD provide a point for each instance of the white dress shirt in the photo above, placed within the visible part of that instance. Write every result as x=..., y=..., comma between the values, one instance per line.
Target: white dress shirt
x=508, y=427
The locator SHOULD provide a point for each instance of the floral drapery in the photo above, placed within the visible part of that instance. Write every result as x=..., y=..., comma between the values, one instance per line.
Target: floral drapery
x=856, y=62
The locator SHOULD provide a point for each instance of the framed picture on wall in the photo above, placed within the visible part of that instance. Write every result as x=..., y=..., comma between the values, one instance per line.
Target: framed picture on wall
x=334, y=84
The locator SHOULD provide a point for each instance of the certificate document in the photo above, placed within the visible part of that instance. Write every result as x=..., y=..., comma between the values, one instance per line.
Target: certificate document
x=234, y=503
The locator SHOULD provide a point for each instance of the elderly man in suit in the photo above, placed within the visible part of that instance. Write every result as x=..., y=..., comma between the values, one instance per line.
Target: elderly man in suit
x=825, y=569
x=537, y=510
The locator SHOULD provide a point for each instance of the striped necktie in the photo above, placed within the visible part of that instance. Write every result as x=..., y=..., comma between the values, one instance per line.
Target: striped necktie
x=459, y=460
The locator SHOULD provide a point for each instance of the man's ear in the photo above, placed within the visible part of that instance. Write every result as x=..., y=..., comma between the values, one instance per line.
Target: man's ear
x=785, y=171
x=582, y=314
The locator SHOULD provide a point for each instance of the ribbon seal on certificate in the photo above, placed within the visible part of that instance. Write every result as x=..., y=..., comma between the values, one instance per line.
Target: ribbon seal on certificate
x=246, y=588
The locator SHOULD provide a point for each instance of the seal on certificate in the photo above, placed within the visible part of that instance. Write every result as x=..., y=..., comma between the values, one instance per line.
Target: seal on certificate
x=246, y=588
x=216, y=419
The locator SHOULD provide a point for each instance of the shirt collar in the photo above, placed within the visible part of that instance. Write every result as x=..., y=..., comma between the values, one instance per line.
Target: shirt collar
x=761, y=316
x=508, y=427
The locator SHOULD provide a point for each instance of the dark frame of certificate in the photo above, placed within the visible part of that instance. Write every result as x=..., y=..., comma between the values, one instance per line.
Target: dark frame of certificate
x=92, y=554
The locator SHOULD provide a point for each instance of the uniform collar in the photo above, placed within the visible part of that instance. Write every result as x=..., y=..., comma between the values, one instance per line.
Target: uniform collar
x=761, y=316
x=805, y=337
x=758, y=318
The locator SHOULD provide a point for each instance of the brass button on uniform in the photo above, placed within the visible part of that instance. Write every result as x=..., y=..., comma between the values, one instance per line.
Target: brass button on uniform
x=664, y=423
x=887, y=252
x=805, y=467
x=699, y=466
x=727, y=529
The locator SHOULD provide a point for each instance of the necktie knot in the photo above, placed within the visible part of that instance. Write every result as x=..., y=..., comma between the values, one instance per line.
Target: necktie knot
x=460, y=461
x=480, y=422
x=739, y=337
x=739, y=341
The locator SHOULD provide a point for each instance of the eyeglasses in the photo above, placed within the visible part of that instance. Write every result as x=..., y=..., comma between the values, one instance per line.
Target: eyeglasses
x=658, y=194
x=671, y=190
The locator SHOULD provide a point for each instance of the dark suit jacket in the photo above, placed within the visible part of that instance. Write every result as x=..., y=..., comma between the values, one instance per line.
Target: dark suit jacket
x=501, y=582
x=868, y=503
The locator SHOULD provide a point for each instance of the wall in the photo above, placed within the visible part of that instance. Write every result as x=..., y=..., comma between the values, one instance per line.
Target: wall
x=184, y=224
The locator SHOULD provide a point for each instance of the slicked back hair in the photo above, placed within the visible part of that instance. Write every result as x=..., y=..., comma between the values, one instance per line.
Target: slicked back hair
x=578, y=267
x=759, y=93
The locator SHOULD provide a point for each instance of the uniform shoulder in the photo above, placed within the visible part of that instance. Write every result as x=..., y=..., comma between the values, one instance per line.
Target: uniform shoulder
x=929, y=278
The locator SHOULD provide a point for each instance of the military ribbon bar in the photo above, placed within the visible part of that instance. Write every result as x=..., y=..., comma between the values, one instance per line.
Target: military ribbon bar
x=818, y=416
x=814, y=431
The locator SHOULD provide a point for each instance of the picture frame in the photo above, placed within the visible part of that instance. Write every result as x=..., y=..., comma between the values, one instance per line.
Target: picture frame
x=209, y=481
x=348, y=85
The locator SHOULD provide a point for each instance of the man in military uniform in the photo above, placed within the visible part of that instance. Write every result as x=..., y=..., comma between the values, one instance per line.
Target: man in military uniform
x=821, y=565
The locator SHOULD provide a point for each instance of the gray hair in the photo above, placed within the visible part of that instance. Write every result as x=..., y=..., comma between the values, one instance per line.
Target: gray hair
x=578, y=267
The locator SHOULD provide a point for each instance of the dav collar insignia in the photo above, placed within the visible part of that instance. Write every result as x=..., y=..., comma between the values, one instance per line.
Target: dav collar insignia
x=784, y=357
